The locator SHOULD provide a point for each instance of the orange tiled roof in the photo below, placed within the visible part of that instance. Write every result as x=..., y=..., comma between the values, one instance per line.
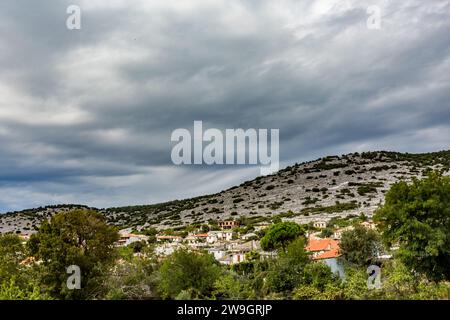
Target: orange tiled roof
x=322, y=244
x=323, y=248
x=201, y=235
x=334, y=253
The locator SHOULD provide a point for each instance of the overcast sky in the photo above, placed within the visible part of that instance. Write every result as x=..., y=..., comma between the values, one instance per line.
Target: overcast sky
x=86, y=115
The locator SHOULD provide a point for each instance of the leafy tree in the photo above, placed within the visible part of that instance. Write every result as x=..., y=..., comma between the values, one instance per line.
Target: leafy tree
x=398, y=282
x=138, y=246
x=331, y=291
x=185, y=270
x=10, y=290
x=125, y=253
x=359, y=245
x=308, y=292
x=12, y=252
x=401, y=283
x=253, y=256
x=363, y=217
x=232, y=286
x=151, y=233
x=295, y=253
x=416, y=216
x=280, y=235
x=355, y=285
x=17, y=280
x=204, y=228
x=286, y=272
x=81, y=238
x=131, y=280
x=327, y=232
x=319, y=275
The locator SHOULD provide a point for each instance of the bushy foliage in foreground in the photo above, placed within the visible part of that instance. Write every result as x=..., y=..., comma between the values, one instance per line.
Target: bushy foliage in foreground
x=416, y=217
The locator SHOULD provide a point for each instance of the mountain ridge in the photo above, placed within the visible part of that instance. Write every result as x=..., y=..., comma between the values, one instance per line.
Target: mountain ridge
x=331, y=186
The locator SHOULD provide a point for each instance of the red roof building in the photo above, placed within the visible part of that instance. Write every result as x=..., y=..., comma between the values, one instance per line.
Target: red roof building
x=200, y=235
x=323, y=248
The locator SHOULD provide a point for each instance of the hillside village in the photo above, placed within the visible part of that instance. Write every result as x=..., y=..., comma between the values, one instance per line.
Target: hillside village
x=230, y=246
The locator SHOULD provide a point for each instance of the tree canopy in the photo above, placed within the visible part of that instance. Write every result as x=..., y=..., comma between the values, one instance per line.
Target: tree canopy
x=416, y=217
x=280, y=235
x=187, y=271
x=12, y=252
x=359, y=245
x=79, y=237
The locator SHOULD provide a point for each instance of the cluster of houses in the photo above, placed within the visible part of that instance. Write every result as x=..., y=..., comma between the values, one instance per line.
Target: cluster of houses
x=223, y=244
x=337, y=234
x=228, y=248
x=128, y=238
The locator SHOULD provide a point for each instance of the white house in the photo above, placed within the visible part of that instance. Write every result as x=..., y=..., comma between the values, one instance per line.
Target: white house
x=235, y=253
x=190, y=239
x=237, y=257
x=337, y=235
x=232, y=258
x=248, y=236
x=368, y=225
x=229, y=224
x=217, y=253
x=239, y=251
x=321, y=224
x=175, y=239
x=128, y=238
x=215, y=236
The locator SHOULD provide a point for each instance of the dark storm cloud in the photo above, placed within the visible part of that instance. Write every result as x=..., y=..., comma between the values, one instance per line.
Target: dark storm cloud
x=86, y=116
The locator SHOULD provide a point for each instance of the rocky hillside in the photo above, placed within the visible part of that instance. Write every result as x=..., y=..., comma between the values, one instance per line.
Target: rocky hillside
x=324, y=188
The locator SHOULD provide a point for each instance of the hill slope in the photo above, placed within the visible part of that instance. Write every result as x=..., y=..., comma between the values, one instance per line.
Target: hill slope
x=327, y=187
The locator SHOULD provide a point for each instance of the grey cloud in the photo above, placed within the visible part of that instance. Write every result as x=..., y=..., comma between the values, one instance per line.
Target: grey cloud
x=135, y=73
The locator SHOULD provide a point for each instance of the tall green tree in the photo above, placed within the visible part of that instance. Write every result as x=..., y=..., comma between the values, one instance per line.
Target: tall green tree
x=319, y=283
x=232, y=286
x=18, y=280
x=286, y=272
x=279, y=235
x=195, y=272
x=360, y=245
x=131, y=280
x=319, y=275
x=81, y=238
x=12, y=252
x=416, y=217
